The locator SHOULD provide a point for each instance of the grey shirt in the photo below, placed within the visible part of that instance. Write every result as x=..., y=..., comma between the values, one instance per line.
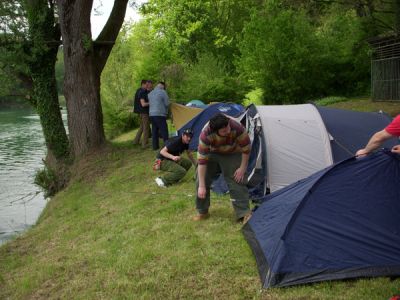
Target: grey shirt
x=158, y=102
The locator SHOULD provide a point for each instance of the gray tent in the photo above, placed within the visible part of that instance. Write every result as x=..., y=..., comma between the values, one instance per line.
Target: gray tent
x=291, y=142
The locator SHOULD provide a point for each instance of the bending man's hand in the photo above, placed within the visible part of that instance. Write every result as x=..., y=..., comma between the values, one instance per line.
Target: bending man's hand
x=239, y=175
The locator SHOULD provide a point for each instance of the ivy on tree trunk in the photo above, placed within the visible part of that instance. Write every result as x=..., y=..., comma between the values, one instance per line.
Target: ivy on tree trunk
x=44, y=37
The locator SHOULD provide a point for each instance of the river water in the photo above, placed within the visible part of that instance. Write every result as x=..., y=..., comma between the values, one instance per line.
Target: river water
x=22, y=149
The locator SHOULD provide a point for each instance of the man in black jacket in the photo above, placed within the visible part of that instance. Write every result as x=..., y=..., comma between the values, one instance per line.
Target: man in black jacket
x=141, y=107
x=170, y=160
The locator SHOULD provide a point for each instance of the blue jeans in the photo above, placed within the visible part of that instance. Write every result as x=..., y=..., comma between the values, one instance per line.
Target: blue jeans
x=158, y=128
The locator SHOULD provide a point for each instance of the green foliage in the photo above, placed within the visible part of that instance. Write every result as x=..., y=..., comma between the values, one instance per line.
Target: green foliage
x=196, y=27
x=118, y=117
x=345, y=57
x=48, y=181
x=255, y=97
x=41, y=68
x=284, y=62
x=125, y=67
x=273, y=51
x=209, y=80
x=14, y=80
x=87, y=42
x=298, y=58
x=59, y=70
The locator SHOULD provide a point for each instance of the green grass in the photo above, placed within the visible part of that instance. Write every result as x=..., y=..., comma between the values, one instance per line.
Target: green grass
x=364, y=104
x=330, y=100
x=113, y=234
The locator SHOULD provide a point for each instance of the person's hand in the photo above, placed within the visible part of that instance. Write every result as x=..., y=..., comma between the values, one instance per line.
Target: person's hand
x=396, y=149
x=361, y=153
x=239, y=175
x=201, y=192
x=176, y=158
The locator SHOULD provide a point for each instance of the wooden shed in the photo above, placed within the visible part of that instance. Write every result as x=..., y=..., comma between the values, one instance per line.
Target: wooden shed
x=385, y=68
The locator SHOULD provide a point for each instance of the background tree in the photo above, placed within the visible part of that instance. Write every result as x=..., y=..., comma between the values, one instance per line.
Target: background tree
x=31, y=40
x=14, y=78
x=196, y=27
x=84, y=61
x=284, y=62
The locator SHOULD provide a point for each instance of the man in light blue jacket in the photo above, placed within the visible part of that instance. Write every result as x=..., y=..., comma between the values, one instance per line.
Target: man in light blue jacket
x=158, y=103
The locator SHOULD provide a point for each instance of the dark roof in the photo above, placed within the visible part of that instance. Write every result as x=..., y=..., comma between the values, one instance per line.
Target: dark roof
x=385, y=46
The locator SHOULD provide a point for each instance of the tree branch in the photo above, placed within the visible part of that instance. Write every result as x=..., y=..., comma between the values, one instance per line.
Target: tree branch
x=104, y=42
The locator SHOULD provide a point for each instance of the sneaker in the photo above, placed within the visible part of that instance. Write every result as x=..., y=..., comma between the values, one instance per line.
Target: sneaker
x=201, y=217
x=160, y=182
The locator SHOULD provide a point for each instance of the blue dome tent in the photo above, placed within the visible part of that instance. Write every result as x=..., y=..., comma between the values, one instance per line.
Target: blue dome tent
x=341, y=222
x=196, y=103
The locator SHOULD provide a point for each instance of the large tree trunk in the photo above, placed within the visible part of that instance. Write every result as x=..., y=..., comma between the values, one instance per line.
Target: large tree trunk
x=44, y=37
x=83, y=66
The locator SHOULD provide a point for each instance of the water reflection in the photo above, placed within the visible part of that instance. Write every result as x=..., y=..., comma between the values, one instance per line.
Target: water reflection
x=22, y=149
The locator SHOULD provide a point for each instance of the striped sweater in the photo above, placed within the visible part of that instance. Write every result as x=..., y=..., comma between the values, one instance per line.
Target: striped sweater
x=210, y=142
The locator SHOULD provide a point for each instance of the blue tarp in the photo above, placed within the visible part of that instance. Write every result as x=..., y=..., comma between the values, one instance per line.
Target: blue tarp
x=341, y=222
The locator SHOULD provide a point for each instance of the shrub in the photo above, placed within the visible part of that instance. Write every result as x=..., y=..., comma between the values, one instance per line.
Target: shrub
x=254, y=97
x=209, y=80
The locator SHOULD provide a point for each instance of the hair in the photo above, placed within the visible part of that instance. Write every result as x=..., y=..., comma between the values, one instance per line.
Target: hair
x=149, y=81
x=188, y=131
x=144, y=81
x=218, y=121
x=162, y=84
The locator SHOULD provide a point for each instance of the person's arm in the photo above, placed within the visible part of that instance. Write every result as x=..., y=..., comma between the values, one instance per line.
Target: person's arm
x=143, y=102
x=201, y=175
x=166, y=100
x=164, y=152
x=375, y=142
x=243, y=140
x=203, y=151
x=190, y=156
x=239, y=173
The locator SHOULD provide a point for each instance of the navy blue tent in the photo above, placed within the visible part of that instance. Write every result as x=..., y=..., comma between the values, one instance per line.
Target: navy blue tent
x=351, y=129
x=341, y=222
x=198, y=122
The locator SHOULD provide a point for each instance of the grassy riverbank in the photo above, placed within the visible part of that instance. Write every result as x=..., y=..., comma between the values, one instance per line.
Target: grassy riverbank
x=113, y=234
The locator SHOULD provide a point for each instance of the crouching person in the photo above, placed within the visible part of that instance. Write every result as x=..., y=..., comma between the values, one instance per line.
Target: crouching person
x=170, y=161
x=224, y=146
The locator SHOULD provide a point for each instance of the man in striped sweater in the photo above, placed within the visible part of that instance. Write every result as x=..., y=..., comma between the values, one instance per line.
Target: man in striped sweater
x=224, y=146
